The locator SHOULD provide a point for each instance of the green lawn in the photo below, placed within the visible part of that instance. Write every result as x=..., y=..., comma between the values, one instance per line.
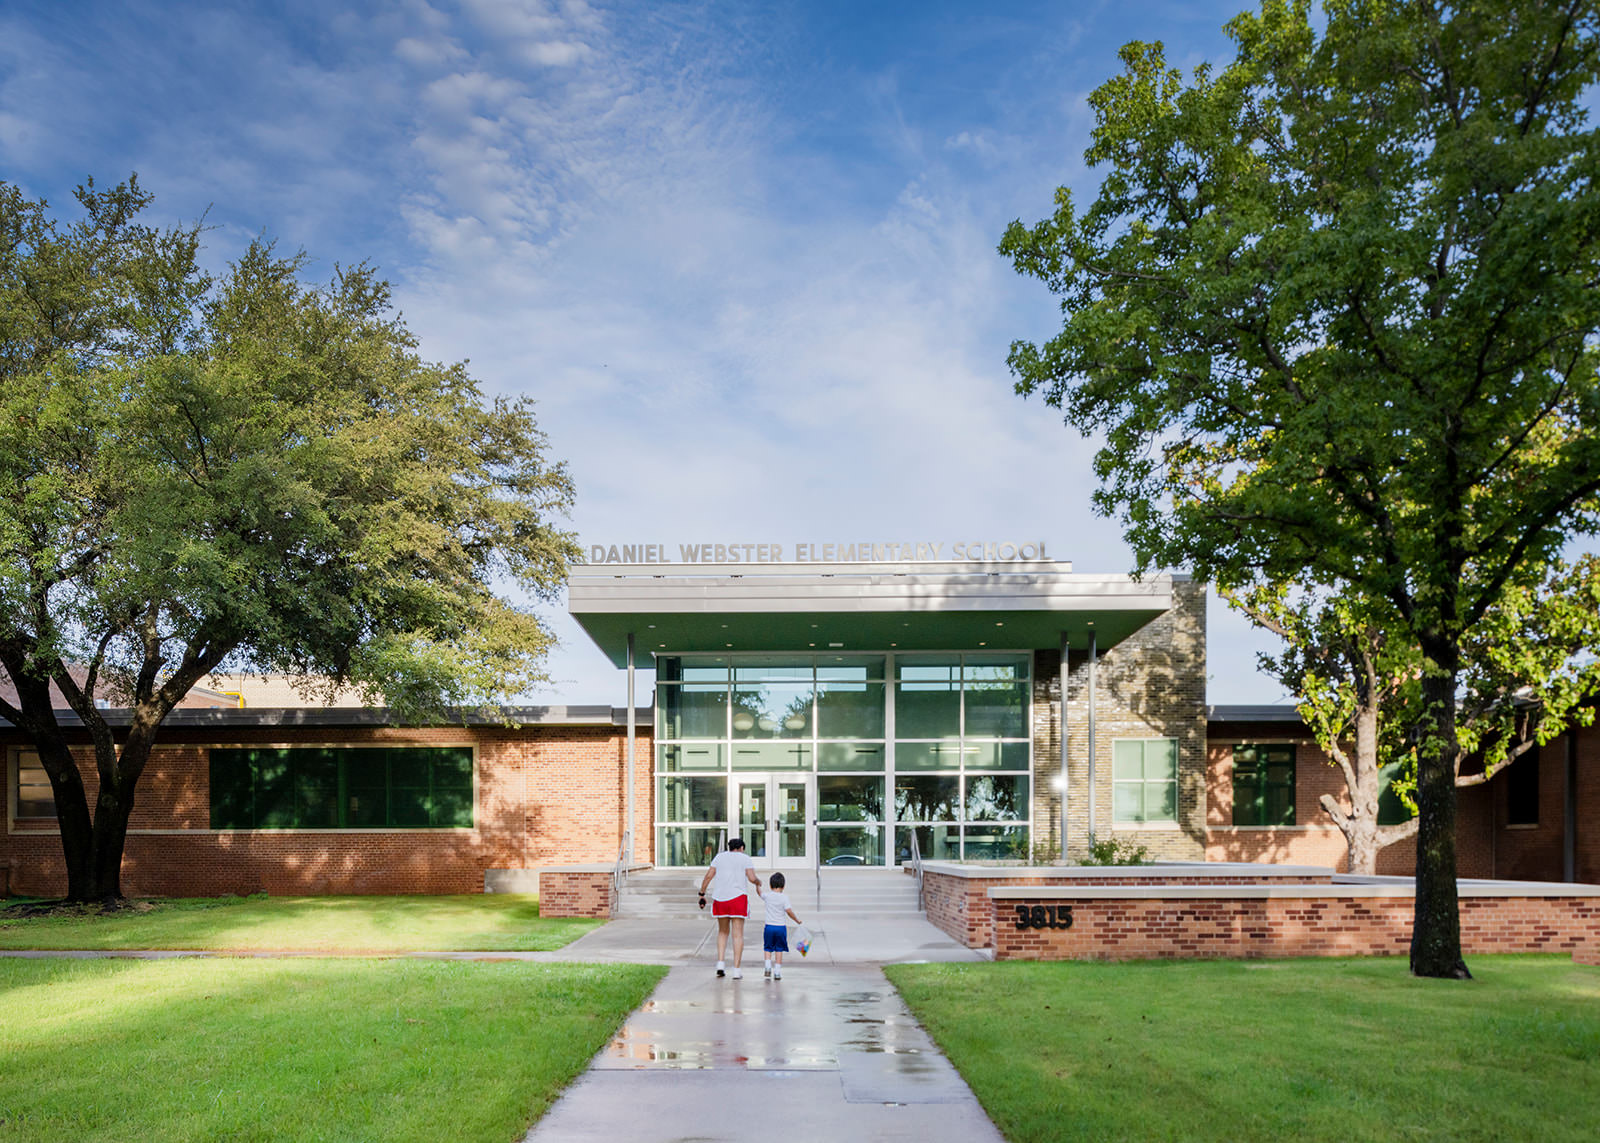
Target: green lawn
x=1341, y=1050
x=481, y=921
x=241, y=1050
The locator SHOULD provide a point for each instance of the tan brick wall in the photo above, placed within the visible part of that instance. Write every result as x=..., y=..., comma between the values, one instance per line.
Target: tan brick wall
x=1151, y=685
x=544, y=796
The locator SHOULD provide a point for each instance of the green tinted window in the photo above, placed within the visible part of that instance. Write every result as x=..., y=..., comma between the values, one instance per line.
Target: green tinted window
x=341, y=788
x=926, y=797
x=927, y=701
x=1392, y=809
x=1144, y=780
x=1263, y=785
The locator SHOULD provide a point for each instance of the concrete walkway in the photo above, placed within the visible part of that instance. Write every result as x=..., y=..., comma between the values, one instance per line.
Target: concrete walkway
x=828, y=1052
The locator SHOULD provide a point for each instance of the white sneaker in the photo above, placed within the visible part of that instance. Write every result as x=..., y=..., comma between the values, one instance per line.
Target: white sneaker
x=777, y=973
x=738, y=974
x=719, y=968
x=766, y=968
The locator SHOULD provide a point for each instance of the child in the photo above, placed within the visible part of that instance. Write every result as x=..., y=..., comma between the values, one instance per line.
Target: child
x=775, y=937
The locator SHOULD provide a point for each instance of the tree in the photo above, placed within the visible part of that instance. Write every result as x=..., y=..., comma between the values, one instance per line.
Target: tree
x=201, y=473
x=1334, y=310
x=1529, y=674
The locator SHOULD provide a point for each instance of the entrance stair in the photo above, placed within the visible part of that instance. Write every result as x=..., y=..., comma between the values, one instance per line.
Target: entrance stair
x=885, y=894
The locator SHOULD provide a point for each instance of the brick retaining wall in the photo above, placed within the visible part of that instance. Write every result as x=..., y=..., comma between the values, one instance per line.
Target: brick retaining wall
x=956, y=897
x=576, y=891
x=1358, y=921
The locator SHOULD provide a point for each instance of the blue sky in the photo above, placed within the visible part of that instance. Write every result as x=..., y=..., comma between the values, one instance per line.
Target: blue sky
x=743, y=254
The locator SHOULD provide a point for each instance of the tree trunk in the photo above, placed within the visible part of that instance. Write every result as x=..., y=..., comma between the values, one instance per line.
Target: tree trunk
x=1361, y=834
x=1436, y=928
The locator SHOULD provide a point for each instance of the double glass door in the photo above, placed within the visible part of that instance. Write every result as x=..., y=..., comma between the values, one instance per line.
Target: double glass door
x=772, y=813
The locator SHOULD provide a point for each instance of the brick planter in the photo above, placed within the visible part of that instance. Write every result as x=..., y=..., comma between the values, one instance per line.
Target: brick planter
x=576, y=891
x=957, y=896
x=1181, y=911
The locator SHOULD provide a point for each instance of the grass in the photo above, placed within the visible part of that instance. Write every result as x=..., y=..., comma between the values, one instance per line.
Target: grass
x=1341, y=1050
x=480, y=922
x=245, y=1050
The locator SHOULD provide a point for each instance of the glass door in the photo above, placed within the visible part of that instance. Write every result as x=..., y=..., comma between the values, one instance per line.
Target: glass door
x=772, y=814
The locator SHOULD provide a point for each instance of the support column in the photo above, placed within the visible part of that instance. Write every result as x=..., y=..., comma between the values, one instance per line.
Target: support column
x=1061, y=731
x=633, y=841
x=1569, y=809
x=1092, y=786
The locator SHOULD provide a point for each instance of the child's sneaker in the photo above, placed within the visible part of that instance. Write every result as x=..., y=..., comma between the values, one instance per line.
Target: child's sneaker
x=738, y=974
x=766, y=968
x=777, y=973
x=719, y=968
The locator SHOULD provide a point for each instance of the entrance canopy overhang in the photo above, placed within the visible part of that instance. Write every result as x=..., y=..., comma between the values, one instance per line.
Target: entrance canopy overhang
x=683, y=608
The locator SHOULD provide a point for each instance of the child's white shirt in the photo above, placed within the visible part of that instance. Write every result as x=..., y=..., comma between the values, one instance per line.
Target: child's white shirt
x=777, y=907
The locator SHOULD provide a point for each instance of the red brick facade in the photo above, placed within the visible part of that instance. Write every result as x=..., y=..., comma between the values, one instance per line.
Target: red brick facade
x=544, y=795
x=1486, y=845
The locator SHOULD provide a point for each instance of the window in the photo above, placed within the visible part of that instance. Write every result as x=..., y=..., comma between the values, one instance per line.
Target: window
x=342, y=788
x=33, y=796
x=1144, y=780
x=1392, y=809
x=1522, y=789
x=1263, y=785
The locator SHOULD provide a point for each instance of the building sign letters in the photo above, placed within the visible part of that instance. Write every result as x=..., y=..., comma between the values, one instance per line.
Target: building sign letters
x=1044, y=916
x=865, y=552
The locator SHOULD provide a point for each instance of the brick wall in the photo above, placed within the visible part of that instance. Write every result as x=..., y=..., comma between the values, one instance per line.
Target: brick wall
x=1134, y=928
x=565, y=892
x=1314, y=839
x=961, y=906
x=545, y=795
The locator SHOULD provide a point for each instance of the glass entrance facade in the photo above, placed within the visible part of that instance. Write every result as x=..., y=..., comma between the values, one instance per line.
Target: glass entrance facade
x=838, y=758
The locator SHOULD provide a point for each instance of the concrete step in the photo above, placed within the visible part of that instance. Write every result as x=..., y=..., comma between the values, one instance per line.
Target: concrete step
x=866, y=893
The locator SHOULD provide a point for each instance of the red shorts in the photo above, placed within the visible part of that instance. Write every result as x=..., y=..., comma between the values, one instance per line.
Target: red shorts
x=738, y=907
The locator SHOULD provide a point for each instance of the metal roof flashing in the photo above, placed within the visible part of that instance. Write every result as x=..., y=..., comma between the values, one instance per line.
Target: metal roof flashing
x=1023, y=605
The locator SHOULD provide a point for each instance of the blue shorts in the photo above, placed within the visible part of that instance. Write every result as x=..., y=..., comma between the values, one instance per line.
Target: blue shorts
x=775, y=938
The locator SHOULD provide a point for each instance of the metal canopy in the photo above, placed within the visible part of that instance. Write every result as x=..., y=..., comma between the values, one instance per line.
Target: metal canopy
x=857, y=607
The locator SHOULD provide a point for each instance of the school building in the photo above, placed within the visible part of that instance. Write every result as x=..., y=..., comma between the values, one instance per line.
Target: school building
x=831, y=703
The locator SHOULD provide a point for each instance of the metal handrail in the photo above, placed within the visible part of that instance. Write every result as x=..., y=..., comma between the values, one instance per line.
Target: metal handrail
x=916, y=868
x=816, y=857
x=619, y=871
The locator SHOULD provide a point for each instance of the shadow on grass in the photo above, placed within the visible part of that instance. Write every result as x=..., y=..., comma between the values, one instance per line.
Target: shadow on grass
x=497, y=922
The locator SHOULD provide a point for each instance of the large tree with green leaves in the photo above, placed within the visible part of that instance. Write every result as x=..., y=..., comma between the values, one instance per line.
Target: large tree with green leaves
x=1334, y=310
x=242, y=471
x=1529, y=673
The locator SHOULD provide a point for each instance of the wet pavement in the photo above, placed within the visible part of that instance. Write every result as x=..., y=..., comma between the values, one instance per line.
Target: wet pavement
x=830, y=1050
